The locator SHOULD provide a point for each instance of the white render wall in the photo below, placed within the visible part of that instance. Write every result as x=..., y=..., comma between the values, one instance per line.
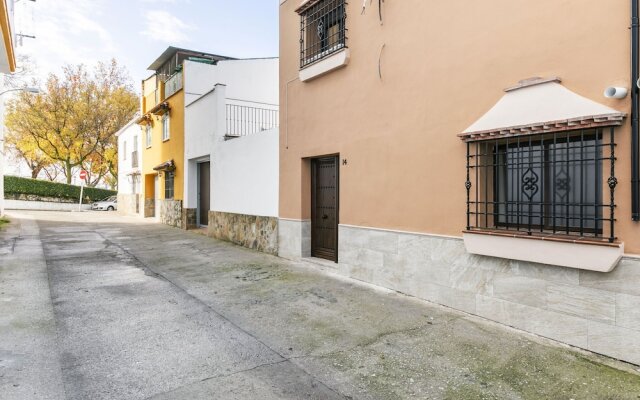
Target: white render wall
x=245, y=175
x=253, y=80
x=244, y=171
x=127, y=134
x=204, y=125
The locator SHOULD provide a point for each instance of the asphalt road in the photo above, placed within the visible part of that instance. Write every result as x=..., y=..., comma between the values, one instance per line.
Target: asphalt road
x=98, y=306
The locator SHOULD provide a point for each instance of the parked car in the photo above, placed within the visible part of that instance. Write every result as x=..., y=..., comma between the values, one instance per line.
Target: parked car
x=108, y=204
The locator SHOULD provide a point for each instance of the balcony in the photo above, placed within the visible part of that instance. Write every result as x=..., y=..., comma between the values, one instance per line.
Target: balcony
x=173, y=84
x=243, y=120
x=153, y=93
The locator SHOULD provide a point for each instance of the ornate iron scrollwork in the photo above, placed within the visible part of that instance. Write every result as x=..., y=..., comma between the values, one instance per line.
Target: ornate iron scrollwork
x=320, y=29
x=467, y=184
x=612, y=182
x=530, y=183
x=563, y=184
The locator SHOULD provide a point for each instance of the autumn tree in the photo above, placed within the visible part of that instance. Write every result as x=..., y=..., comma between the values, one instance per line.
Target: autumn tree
x=25, y=149
x=74, y=120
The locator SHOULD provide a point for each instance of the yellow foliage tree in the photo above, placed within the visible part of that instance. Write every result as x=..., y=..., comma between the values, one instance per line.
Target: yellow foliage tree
x=74, y=121
x=25, y=149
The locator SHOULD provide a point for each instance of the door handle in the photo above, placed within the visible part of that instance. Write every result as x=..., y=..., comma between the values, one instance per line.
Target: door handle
x=325, y=216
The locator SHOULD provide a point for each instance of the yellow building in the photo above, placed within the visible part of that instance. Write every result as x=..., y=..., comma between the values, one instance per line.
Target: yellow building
x=7, y=66
x=7, y=55
x=162, y=121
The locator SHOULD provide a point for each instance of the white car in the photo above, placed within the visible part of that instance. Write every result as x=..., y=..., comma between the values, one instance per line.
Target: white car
x=108, y=204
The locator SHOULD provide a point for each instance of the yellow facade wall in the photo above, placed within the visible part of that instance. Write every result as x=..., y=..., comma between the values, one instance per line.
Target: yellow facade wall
x=163, y=151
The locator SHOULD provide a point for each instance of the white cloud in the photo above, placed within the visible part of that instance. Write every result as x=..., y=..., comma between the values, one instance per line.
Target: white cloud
x=67, y=32
x=165, y=27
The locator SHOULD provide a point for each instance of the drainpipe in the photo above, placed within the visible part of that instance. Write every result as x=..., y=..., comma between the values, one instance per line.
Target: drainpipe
x=635, y=112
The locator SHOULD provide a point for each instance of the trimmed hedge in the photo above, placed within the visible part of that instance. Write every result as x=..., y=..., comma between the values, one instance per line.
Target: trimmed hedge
x=28, y=186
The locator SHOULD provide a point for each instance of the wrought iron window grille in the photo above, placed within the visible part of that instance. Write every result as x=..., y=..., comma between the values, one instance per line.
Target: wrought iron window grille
x=322, y=30
x=549, y=184
x=168, y=184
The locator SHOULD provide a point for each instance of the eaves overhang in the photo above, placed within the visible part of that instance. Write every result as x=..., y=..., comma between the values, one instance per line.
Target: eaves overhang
x=171, y=51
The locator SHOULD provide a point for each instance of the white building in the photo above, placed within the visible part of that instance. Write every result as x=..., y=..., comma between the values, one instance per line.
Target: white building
x=231, y=150
x=129, y=167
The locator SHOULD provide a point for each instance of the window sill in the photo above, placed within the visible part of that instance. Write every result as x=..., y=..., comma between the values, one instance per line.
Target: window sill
x=578, y=253
x=165, y=140
x=325, y=65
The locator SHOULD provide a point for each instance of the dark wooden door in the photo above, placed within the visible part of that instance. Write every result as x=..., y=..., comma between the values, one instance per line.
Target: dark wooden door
x=324, y=208
x=204, y=182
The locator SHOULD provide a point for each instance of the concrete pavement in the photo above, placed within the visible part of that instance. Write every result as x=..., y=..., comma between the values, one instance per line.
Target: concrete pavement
x=105, y=307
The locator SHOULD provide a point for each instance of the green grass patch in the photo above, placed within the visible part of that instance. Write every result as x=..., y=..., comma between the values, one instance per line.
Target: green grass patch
x=3, y=221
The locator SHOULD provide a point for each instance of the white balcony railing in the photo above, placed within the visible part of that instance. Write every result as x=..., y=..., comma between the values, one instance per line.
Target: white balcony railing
x=243, y=120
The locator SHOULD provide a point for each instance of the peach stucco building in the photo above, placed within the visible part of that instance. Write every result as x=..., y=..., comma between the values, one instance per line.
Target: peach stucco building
x=466, y=153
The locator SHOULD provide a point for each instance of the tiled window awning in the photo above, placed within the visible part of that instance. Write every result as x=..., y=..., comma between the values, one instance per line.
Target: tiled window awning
x=166, y=166
x=160, y=109
x=540, y=106
x=144, y=120
x=306, y=4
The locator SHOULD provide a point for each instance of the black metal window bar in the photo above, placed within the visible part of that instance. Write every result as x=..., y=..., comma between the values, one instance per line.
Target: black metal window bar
x=559, y=183
x=247, y=120
x=322, y=30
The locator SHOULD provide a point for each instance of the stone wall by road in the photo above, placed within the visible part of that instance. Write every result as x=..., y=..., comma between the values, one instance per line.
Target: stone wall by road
x=189, y=218
x=254, y=232
x=43, y=205
x=149, y=208
x=127, y=204
x=35, y=197
x=596, y=311
x=171, y=212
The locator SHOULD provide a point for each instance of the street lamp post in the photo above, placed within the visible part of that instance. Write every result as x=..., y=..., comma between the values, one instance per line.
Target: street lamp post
x=24, y=89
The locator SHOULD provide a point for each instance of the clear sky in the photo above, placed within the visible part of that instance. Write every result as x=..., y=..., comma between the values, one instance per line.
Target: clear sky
x=136, y=32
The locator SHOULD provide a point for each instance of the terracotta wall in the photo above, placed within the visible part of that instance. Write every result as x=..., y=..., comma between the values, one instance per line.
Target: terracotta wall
x=444, y=64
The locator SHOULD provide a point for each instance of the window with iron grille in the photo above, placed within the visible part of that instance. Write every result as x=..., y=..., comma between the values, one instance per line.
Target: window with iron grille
x=168, y=184
x=322, y=30
x=550, y=184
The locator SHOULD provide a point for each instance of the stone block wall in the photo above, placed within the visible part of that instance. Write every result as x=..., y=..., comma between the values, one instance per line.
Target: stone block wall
x=149, y=208
x=127, y=204
x=596, y=311
x=294, y=238
x=171, y=212
x=255, y=232
x=189, y=218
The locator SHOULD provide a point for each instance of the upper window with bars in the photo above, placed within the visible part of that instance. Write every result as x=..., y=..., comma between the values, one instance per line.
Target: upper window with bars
x=322, y=29
x=550, y=184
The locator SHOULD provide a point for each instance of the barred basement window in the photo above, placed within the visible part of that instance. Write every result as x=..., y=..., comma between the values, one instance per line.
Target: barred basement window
x=550, y=184
x=168, y=184
x=322, y=29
